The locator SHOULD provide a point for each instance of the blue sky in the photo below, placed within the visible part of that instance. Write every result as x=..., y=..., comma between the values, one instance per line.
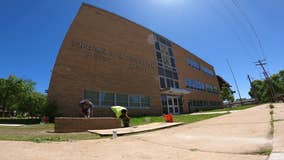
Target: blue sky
x=31, y=33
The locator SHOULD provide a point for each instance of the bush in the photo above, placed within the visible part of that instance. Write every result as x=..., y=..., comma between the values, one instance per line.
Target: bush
x=271, y=106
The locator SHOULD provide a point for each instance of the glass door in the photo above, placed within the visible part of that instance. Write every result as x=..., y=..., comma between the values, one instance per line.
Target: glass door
x=173, y=105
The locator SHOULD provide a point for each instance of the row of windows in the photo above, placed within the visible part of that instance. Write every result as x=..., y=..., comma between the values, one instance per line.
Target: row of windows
x=194, y=84
x=203, y=103
x=207, y=71
x=192, y=63
x=169, y=61
x=196, y=65
x=105, y=99
x=168, y=83
x=163, y=40
x=167, y=73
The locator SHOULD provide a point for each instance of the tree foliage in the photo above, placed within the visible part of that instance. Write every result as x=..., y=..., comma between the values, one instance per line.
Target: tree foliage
x=18, y=94
x=262, y=90
x=227, y=94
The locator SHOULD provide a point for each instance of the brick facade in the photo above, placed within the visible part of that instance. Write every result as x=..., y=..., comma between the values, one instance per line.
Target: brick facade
x=105, y=52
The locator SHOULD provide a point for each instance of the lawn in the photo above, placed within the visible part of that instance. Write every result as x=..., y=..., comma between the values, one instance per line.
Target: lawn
x=41, y=133
x=45, y=132
x=232, y=108
x=186, y=118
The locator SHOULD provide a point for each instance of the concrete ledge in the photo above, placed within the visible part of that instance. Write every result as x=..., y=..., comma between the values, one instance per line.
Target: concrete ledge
x=71, y=124
x=136, y=129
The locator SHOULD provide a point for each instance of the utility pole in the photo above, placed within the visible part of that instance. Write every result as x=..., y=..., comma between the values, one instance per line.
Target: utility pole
x=253, y=89
x=261, y=63
x=235, y=81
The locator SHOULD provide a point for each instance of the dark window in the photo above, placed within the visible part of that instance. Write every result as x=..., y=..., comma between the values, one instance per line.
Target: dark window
x=170, y=102
x=161, y=71
x=134, y=101
x=170, y=51
x=175, y=76
x=159, y=57
x=94, y=96
x=122, y=100
x=164, y=100
x=176, y=84
x=145, y=101
x=169, y=73
x=107, y=99
x=162, y=83
x=157, y=46
x=172, y=83
x=173, y=62
x=168, y=83
x=175, y=101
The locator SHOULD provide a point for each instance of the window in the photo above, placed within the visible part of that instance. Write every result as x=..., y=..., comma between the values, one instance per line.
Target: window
x=162, y=82
x=207, y=71
x=159, y=57
x=176, y=84
x=161, y=71
x=173, y=62
x=106, y=99
x=175, y=76
x=145, y=101
x=168, y=73
x=192, y=63
x=170, y=51
x=168, y=83
x=94, y=96
x=157, y=46
x=134, y=101
x=122, y=100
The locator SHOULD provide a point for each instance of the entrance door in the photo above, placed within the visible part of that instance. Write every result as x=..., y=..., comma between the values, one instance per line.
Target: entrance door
x=173, y=105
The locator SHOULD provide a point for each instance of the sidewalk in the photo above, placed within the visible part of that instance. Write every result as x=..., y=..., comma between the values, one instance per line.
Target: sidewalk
x=218, y=112
x=135, y=129
x=278, y=137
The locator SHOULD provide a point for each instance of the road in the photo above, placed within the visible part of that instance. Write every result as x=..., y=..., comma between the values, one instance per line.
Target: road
x=240, y=135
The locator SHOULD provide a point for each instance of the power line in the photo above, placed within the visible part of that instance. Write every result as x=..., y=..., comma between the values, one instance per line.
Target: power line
x=243, y=13
x=248, y=50
x=235, y=81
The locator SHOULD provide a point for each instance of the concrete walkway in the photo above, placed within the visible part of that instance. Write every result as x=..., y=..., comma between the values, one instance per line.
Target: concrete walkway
x=241, y=135
x=135, y=129
x=217, y=112
x=278, y=137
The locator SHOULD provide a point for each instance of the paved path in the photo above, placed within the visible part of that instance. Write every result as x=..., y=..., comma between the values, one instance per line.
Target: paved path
x=236, y=136
x=135, y=129
x=217, y=112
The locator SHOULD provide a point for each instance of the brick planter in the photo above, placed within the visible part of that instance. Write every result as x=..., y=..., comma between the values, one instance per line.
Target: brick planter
x=71, y=124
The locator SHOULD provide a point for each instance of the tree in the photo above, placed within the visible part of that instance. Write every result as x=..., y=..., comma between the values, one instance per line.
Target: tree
x=13, y=90
x=262, y=89
x=227, y=94
x=18, y=94
x=33, y=103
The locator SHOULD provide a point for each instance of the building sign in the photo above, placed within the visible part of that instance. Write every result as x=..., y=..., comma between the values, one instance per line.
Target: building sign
x=102, y=54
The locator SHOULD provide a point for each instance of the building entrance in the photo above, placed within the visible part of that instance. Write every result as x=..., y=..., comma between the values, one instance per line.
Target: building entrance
x=173, y=105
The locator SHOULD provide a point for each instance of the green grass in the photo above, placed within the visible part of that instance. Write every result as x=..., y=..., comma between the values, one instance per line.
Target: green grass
x=41, y=133
x=264, y=151
x=186, y=118
x=45, y=132
x=232, y=108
